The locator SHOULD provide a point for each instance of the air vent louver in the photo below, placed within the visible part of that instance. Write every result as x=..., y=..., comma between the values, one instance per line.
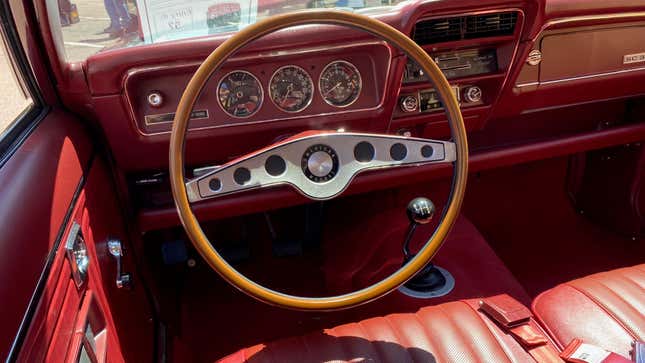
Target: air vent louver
x=465, y=27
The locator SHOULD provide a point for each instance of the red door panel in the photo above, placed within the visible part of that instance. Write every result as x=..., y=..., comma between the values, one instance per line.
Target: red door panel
x=37, y=186
x=53, y=181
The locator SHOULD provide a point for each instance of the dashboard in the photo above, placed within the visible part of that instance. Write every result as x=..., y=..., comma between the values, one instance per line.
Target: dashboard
x=534, y=78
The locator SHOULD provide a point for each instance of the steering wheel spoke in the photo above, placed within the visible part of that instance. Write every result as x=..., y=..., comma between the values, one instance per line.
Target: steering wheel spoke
x=320, y=165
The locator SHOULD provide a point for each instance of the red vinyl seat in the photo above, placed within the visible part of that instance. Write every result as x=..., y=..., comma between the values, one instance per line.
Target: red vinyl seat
x=451, y=332
x=605, y=309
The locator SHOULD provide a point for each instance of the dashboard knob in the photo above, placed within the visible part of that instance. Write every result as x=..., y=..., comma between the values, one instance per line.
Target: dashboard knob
x=155, y=99
x=473, y=94
x=409, y=104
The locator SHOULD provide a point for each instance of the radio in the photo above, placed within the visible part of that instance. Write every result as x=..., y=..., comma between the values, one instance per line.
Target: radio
x=457, y=64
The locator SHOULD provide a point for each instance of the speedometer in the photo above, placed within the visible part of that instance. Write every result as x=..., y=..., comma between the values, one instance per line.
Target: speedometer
x=291, y=89
x=240, y=94
x=340, y=84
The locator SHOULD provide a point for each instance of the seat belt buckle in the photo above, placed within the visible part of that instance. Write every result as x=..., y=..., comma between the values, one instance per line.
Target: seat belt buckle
x=580, y=352
x=514, y=318
x=505, y=310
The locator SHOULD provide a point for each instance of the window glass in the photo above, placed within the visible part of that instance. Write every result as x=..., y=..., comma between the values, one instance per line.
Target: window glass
x=91, y=26
x=14, y=100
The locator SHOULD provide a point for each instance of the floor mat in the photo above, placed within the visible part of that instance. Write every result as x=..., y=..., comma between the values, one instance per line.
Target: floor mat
x=217, y=320
x=526, y=216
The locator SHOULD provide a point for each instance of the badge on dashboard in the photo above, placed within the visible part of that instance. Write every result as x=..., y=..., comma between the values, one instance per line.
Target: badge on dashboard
x=633, y=58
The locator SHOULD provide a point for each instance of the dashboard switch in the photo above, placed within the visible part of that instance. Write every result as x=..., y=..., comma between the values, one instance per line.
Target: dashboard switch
x=409, y=103
x=473, y=94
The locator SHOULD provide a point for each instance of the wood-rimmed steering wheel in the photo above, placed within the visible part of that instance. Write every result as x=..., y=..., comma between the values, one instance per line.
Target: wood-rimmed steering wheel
x=334, y=156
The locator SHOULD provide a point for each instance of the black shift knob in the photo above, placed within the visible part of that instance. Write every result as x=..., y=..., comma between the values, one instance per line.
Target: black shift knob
x=420, y=210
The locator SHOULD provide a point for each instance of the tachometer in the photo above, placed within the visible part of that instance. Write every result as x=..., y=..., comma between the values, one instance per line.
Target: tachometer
x=340, y=84
x=291, y=89
x=240, y=94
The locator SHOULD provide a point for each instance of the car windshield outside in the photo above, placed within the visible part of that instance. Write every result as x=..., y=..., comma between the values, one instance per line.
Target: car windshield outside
x=90, y=26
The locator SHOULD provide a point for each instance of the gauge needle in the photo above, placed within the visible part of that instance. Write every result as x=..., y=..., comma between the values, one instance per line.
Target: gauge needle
x=333, y=88
x=286, y=95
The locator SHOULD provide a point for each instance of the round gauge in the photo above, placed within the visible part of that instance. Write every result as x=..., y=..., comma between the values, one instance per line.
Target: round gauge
x=240, y=94
x=340, y=84
x=291, y=89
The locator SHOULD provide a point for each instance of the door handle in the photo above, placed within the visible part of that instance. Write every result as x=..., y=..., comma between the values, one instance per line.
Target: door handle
x=123, y=280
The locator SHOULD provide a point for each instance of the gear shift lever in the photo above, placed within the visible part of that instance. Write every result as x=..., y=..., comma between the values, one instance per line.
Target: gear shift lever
x=420, y=211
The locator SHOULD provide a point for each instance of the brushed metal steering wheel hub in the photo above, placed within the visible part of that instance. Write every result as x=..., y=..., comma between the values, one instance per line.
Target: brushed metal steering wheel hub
x=320, y=163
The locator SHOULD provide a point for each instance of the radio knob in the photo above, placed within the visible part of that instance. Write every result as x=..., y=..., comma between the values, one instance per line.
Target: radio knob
x=409, y=104
x=473, y=94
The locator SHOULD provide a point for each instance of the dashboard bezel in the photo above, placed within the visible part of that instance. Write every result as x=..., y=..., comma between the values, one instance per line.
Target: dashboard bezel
x=360, y=82
x=311, y=82
x=219, y=101
x=274, y=60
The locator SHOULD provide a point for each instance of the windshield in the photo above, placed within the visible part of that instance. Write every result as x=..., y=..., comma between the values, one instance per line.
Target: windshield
x=91, y=26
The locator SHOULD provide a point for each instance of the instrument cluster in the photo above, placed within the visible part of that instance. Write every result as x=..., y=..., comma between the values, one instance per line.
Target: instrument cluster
x=291, y=89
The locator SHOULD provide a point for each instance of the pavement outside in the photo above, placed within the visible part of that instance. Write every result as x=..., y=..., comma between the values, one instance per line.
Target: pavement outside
x=12, y=100
x=81, y=40
x=86, y=37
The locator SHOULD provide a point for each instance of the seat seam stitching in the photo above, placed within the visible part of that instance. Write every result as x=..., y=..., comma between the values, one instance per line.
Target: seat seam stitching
x=537, y=316
x=605, y=309
x=396, y=334
x=633, y=282
x=431, y=341
x=369, y=340
x=499, y=343
x=459, y=332
x=627, y=303
x=346, y=352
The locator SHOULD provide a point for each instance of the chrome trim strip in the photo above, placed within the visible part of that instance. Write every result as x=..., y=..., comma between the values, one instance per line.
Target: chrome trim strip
x=292, y=153
x=578, y=78
x=586, y=18
x=595, y=75
x=529, y=84
x=146, y=118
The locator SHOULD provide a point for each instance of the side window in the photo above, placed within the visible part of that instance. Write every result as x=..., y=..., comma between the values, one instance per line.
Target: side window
x=14, y=98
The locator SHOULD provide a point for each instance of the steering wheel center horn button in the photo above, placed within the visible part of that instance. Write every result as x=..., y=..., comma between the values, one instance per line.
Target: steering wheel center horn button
x=318, y=164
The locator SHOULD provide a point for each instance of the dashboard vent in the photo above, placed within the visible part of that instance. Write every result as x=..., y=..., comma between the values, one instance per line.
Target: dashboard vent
x=465, y=27
x=490, y=25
